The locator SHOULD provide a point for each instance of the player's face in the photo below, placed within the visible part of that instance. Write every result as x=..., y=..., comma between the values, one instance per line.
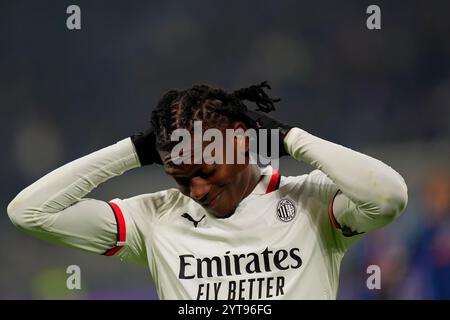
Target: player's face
x=217, y=187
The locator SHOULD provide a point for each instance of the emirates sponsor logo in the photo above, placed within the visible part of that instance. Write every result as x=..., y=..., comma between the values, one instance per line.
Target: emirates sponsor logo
x=252, y=275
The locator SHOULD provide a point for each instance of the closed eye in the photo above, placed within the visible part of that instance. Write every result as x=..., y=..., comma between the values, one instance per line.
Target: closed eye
x=206, y=175
x=208, y=172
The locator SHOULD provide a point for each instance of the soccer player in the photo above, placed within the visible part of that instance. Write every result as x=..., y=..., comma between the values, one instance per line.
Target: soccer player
x=228, y=231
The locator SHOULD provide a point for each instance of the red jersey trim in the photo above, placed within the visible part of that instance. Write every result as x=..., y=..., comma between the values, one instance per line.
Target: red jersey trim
x=333, y=218
x=274, y=182
x=121, y=229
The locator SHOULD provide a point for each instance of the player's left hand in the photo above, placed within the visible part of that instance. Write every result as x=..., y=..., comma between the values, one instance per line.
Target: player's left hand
x=258, y=120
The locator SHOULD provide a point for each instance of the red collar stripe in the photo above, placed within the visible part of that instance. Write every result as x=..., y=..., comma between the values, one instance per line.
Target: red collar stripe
x=121, y=229
x=274, y=182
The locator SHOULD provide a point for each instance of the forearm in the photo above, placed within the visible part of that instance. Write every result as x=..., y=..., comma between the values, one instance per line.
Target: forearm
x=374, y=187
x=68, y=184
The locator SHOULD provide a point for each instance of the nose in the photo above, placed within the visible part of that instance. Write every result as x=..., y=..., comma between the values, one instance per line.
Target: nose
x=199, y=188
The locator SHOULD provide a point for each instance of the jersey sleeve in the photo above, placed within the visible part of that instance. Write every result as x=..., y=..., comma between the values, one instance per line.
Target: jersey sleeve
x=318, y=193
x=55, y=208
x=133, y=221
x=136, y=217
x=368, y=194
x=88, y=225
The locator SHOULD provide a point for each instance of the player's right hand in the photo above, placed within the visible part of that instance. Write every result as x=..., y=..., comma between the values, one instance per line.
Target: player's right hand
x=145, y=145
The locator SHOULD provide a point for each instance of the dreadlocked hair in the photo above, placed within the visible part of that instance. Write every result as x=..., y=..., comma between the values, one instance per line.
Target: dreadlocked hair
x=180, y=108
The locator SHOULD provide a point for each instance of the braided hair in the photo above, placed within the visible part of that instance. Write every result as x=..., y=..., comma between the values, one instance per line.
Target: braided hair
x=179, y=109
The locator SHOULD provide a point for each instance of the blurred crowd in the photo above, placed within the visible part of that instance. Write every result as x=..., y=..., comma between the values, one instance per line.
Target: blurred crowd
x=414, y=254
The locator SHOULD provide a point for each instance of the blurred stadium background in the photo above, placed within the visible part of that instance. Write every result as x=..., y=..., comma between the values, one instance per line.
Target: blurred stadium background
x=66, y=93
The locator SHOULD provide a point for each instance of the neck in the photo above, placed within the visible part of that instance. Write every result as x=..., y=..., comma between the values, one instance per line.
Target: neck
x=254, y=176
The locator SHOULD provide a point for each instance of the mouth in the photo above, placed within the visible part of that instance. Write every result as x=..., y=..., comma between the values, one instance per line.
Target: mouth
x=210, y=203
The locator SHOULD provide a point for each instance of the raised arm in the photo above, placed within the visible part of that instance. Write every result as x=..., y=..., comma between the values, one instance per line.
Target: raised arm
x=54, y=208
x=371, y=194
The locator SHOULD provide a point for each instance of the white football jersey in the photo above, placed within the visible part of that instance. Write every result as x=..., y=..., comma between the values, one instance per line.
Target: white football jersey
x=284, y=241
x=279, y=244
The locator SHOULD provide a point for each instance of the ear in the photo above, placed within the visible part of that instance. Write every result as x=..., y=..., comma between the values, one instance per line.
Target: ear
x=242, y=141
x=239, y=125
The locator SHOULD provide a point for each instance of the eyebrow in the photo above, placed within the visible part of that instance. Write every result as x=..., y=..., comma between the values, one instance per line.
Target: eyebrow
x=173, y=171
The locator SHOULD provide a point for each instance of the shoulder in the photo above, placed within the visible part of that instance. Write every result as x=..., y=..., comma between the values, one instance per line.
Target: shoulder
x=318, y=181
x=153, y=205
x=315, y=184
x=310, y=180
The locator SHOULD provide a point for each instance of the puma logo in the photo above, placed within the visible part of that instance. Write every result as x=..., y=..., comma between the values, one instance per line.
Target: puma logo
x=188, y=217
